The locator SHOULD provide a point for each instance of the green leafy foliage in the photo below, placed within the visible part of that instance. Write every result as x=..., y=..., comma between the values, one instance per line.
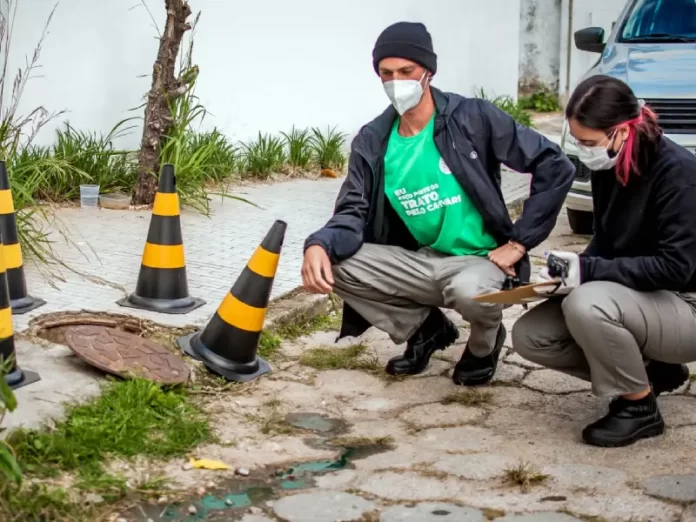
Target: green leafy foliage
x=540, y=101
x=264, y=156
x=508, y=104
x=9, y=469
x=328, y=149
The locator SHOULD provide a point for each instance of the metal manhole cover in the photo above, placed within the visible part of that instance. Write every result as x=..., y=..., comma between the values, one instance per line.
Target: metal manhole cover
x=125, y=354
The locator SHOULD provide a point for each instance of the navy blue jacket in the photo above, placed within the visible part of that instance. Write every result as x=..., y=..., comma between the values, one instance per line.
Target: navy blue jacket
x=474, y=137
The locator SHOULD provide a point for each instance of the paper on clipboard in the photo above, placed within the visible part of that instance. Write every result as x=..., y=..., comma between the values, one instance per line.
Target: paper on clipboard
x=520, y=295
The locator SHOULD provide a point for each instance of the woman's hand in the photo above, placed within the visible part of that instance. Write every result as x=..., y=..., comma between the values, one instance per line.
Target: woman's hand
x=507, y=256
x=565, y=285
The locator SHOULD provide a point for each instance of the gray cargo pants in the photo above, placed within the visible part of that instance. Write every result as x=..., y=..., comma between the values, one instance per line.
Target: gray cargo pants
x=394, y=289
x=605, y=333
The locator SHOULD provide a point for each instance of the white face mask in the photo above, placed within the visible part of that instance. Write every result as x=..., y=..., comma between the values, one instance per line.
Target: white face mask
x=404, y=94
x=597, y=158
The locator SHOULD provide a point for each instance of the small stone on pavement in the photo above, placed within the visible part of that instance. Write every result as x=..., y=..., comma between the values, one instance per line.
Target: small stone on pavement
x=431, y=512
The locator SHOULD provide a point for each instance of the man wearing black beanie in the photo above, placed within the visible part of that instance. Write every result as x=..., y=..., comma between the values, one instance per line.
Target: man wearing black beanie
x=420, y=222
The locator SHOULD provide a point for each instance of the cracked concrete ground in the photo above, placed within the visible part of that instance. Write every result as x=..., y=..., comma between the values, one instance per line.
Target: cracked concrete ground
x=510, y=451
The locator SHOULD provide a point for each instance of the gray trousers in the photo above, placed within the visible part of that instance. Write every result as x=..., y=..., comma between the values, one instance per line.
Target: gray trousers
x=605, y=333
x=394, y=289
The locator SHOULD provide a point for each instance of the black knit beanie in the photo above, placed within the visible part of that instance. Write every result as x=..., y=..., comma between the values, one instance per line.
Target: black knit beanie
x=409, y=40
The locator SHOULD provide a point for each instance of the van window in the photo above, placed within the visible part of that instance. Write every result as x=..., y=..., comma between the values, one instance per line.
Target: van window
x=660, y=18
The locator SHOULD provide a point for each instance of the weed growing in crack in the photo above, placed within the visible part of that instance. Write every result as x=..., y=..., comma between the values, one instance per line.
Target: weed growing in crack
x=272, y=339
x=303, y=326
x=586, y=518
x=354, y=357
x=468, y=397
x=385, y=442
x=271, y=420
x=492, y=514
x=524, y=476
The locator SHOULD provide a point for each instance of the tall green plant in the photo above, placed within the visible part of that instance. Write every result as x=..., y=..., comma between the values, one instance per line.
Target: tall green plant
x=9, y=469
x=508, y=104
x=328, y=149
x=28, y=165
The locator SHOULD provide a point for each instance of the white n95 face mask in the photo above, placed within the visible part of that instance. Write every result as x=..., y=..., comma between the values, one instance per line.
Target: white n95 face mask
x=597, y=158
x=404, y=94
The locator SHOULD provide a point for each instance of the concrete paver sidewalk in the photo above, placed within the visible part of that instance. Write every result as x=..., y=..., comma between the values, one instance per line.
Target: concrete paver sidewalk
x=510, y=451
x=109, y=245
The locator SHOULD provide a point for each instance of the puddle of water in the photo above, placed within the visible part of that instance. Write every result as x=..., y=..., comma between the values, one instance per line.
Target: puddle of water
x=237, y=494
x=314, y=422
x=221, y=503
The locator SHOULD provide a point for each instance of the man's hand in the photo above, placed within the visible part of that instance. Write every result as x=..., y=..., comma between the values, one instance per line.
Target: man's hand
x=567, y=283
x=506, y=256
x=316, y=271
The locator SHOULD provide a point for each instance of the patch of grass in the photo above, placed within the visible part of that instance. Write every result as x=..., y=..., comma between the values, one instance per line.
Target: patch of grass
x=524, y=476
x=134, y=417
x=263, y=157
x=271, y=339
x=508, y=105
x=271, y=419
x=492, y=514
x=269, y=343
x=9, y=469
x=468, y=397
x=385, y=442
x=299, y=150
x=540, y=101
x=328, y=149
x=306, y=326
x=44, y=503
x=355, y=357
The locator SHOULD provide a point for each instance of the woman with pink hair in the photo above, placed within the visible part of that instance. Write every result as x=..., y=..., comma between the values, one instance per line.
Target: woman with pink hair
x=623, y=316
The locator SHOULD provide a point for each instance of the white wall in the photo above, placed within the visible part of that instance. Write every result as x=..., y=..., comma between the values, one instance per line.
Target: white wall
x=540, y=33
x=585, y=13
x=264, y=65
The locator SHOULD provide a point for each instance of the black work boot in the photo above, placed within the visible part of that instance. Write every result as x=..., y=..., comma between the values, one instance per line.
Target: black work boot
x=475, y=371
x=626, y=423
x=666, y=377
x=436, y=333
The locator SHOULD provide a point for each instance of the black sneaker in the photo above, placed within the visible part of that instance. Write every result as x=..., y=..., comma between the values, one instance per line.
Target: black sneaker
x=436, y=333
x=626, y=423
x=666, y=377
x=475, y=371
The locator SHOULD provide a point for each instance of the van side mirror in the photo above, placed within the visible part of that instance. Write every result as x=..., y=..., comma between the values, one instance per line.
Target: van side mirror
x=590, y=39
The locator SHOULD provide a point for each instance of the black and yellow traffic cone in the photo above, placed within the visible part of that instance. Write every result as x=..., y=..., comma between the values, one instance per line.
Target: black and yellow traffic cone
x=15, y=376
x=227, y=346
x=20, y=300
x=162, y=283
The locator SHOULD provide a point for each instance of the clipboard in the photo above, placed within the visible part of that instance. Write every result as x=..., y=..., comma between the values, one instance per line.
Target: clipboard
x=520, y=295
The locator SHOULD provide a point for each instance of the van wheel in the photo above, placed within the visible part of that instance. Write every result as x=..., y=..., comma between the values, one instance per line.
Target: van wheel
x=581, y=222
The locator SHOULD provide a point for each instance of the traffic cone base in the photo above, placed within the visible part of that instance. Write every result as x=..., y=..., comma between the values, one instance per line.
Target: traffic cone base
x=227, y=345
x=162, y=283
x=16, y=377
x=20, y=300
x=192, y=346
